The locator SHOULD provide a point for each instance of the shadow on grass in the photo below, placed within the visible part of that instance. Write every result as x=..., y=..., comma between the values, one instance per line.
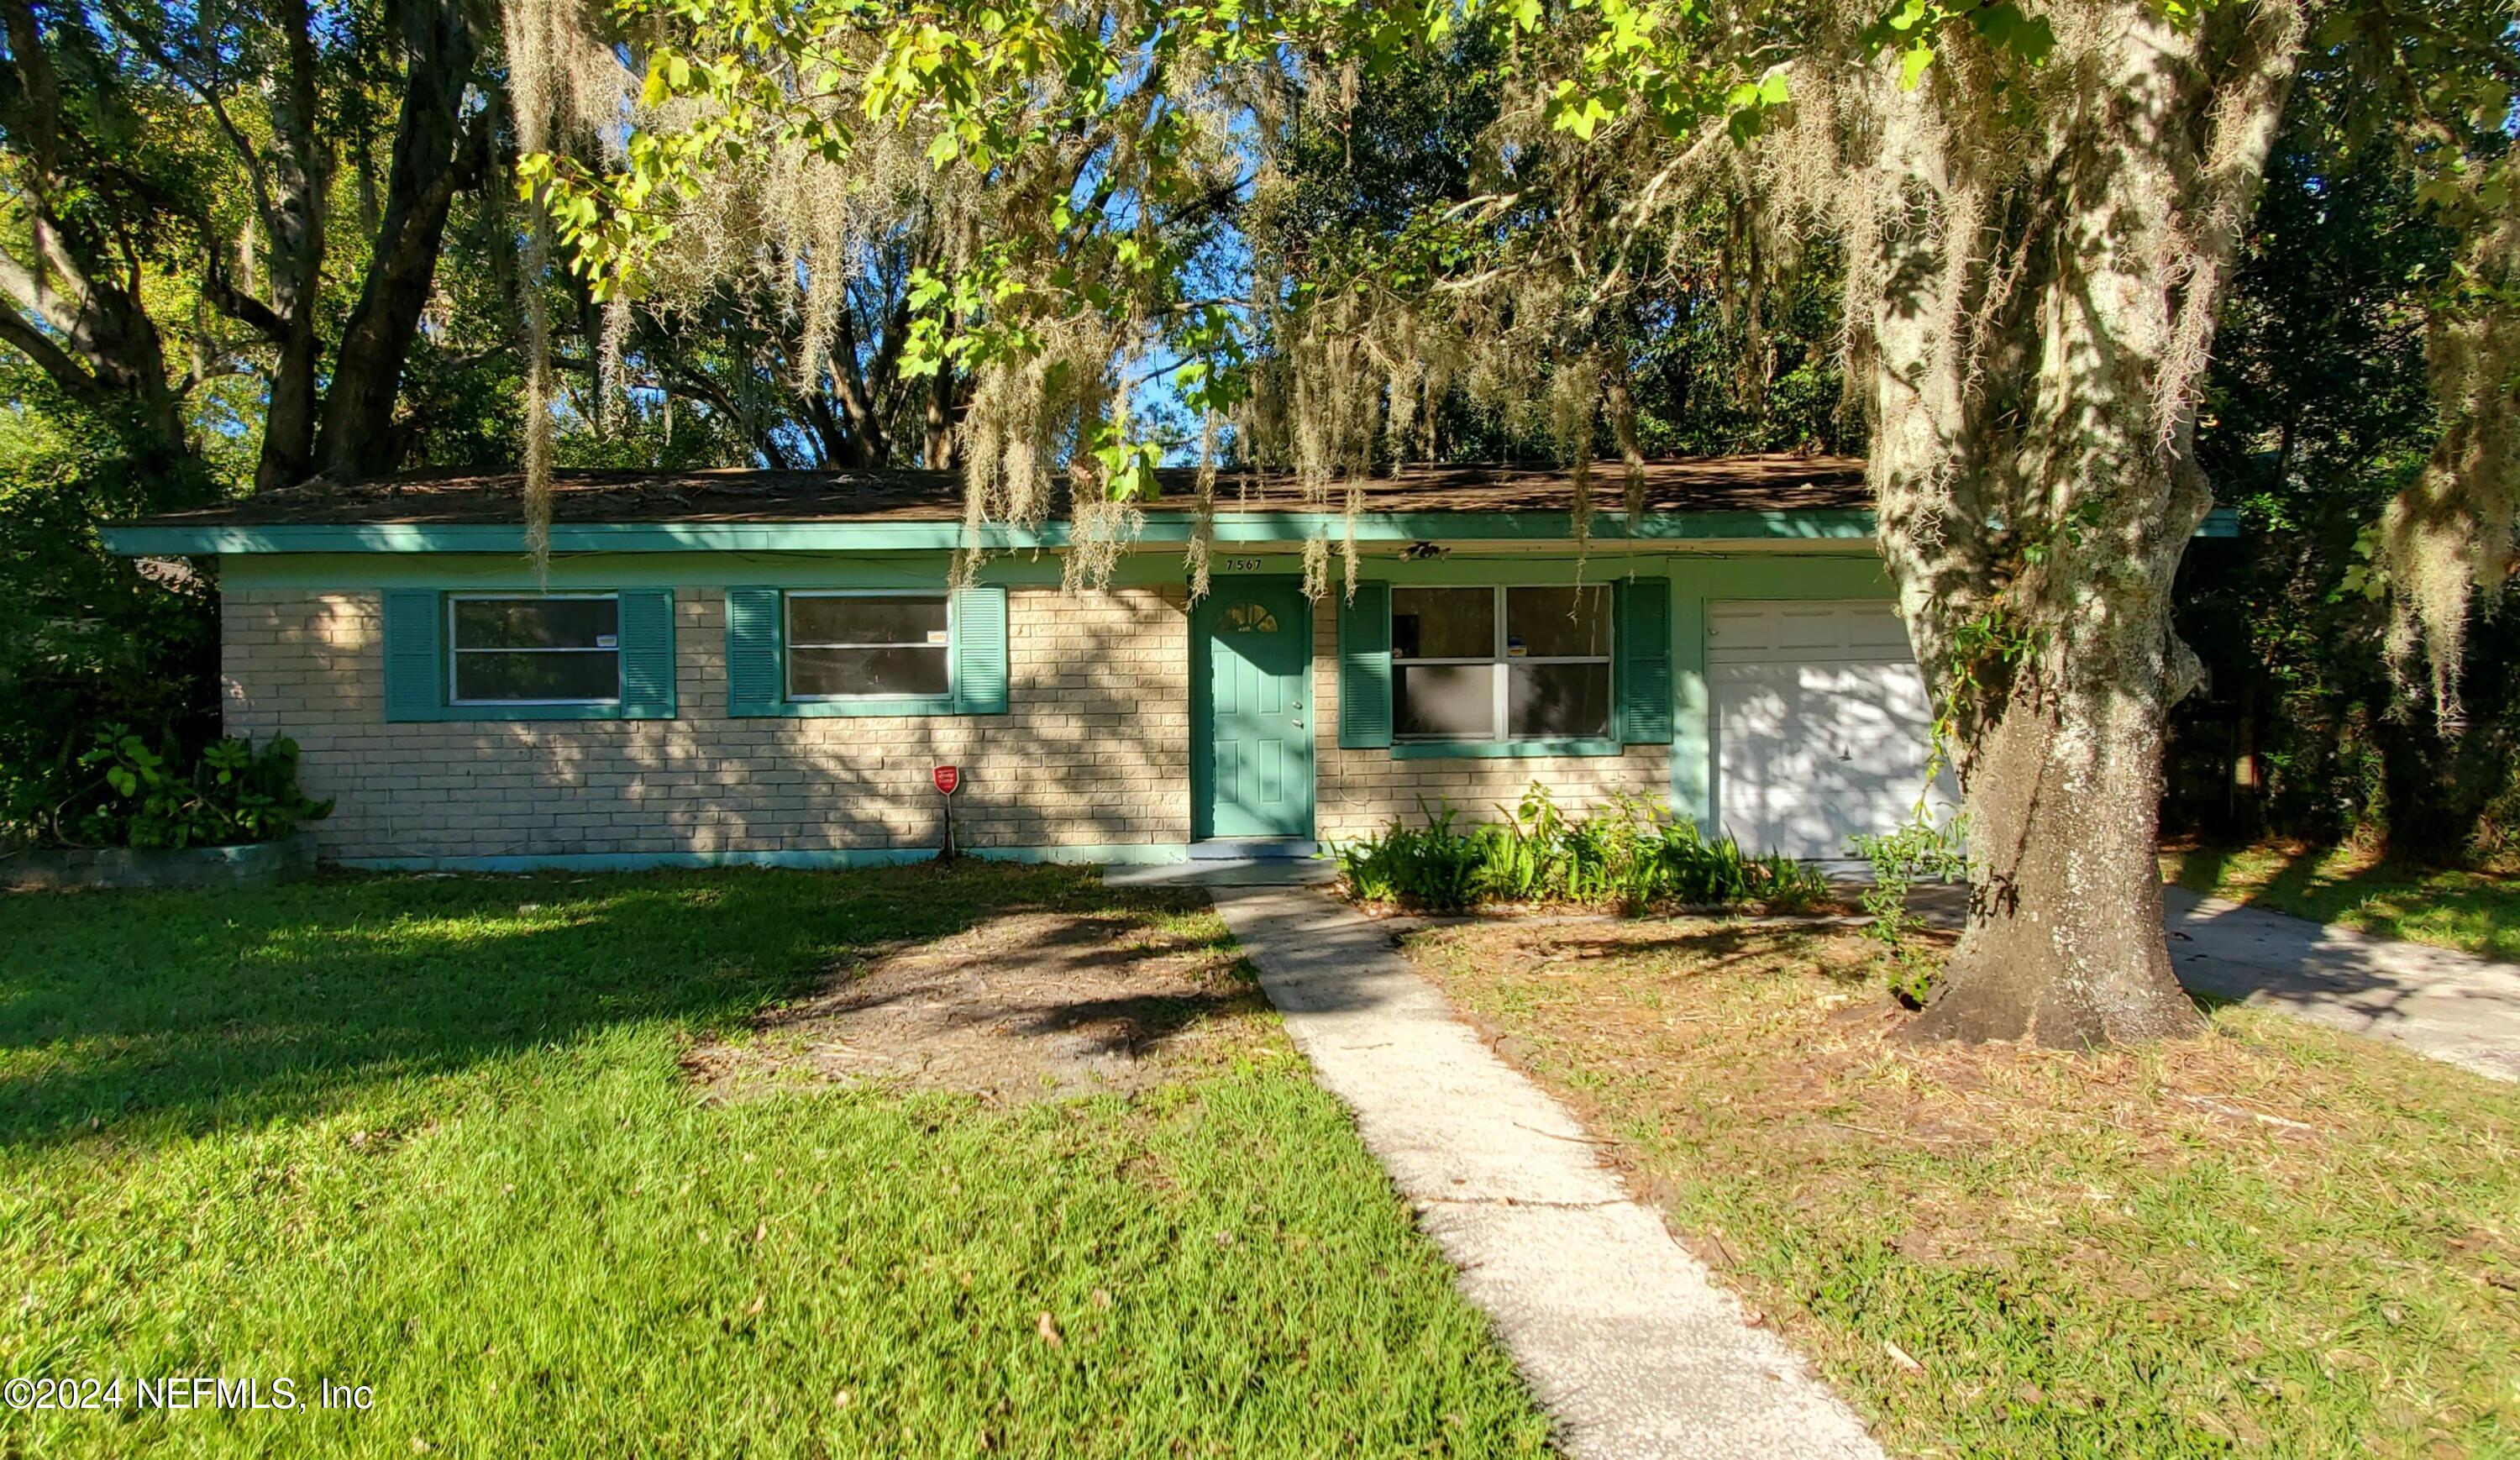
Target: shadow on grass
x=162, y=1014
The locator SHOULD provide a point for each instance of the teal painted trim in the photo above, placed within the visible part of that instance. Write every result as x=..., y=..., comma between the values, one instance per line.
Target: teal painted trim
x=1296, y=674
x=1128, y=853
x=1692, y=742
x=1487, y=570
x=1498, y=750
x=978, y=662
x=1641, y=690
x=1697, y=581
x=1554, y=563
x=414, y=622
x=1113, y=853
x=1533, y=526
x=1256, y=527
x=650, y=673
x=610, y=709
x=1365, y=669
x=896, y=705
x=726, y=538
x=1780, y=576
x=756, y=677
x=929, y=572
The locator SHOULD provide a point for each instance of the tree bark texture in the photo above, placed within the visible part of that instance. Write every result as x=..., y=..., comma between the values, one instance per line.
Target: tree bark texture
x=300, y=174
x=434, y=158
x=2035, y=301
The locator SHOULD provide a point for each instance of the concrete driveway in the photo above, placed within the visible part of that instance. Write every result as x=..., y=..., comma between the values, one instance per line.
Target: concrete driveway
x=2452, y=1006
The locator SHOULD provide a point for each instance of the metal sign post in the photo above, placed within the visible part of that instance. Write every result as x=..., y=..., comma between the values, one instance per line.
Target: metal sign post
x=947, y=779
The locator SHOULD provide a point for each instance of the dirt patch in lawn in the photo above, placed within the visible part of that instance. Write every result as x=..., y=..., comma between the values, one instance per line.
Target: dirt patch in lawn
x=2269, y=1235
x=1026, y=1005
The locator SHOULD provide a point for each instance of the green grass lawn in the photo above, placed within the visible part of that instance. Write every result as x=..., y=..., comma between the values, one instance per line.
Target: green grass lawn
x=2272, y=1239
x=2476, y=912
x=431, y=1135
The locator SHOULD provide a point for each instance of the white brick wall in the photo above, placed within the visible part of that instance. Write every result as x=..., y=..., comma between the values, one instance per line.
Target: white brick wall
x=1095, y=749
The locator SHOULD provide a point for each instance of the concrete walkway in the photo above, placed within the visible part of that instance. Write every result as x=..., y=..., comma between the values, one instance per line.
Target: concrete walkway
x=1617, y=1328
x=2450, y=1005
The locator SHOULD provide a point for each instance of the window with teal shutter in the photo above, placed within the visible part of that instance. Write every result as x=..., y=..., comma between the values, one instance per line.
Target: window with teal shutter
x=980, y=649
x=808, y=652
x=1505, y=670
x=752, y=659
x=647, y=653
x=415, y=665
x=1365, y=669
x=509, y=656
x=1643, y=614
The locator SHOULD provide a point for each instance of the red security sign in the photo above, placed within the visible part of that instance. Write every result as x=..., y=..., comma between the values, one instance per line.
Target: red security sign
x=946, y=777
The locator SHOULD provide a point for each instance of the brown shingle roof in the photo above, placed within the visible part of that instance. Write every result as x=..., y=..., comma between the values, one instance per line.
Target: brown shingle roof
x=1729, y=484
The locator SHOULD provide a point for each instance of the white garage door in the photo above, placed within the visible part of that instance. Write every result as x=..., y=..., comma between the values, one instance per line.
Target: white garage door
x=1821, y=724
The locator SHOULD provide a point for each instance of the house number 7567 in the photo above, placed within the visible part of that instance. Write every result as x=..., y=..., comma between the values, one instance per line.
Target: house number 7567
x=1241, y=564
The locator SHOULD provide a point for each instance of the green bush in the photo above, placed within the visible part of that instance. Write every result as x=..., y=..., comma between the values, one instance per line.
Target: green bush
x=134, y=795
x=1629, y=853
x=88, y=639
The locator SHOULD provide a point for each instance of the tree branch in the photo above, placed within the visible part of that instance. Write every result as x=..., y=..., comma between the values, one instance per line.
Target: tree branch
x=26, y=287
x=56, y=363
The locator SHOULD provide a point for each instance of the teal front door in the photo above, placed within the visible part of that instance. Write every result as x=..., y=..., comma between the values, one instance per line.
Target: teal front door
x=1251, y=720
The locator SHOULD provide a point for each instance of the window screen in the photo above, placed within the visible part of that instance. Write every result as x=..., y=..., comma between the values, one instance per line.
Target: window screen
x=1500, y=663
x=564, y=650
x=846, y=645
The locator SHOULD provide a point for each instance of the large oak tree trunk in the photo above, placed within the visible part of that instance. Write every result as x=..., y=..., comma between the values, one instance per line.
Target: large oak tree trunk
x=2036, y=302
x=2063, y=944
x=300, y=172
x=432, y=160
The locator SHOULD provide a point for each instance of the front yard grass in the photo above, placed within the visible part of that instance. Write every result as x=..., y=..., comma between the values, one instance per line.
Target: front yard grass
x=2269, y=1238
x=2475, y=912
x=436, y=1136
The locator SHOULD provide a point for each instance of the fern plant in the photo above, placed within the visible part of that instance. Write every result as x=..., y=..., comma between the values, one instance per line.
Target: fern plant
x=1630, y=853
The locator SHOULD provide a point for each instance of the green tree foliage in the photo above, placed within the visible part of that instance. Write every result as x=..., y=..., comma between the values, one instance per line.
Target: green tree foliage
x=2038, y=208
x=1705, y=361
x=2319, y=414
x=85, y=640
x=219, y=228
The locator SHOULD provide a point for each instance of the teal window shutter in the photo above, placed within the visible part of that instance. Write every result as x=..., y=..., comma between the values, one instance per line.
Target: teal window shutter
x=1643, y=615
x=1365, y=669
x=980, y=649
x=756, y=681
x=414, y=666
x=647, y=653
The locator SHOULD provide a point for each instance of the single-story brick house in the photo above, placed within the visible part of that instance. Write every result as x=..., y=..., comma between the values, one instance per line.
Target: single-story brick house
x=756, y=666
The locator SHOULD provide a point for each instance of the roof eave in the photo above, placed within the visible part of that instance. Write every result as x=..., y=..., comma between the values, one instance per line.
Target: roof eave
x=210, y=539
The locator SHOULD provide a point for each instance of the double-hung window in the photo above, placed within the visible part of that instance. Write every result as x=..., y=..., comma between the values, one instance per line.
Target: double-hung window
x=876, y=651
x=1500, y=664
x=843, y=646
x=546, y=648
x=576, y=655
